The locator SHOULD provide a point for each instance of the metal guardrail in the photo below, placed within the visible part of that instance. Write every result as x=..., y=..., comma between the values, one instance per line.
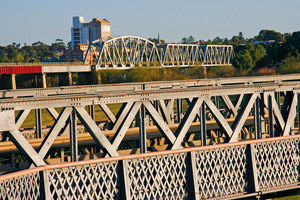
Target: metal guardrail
x=231, y=170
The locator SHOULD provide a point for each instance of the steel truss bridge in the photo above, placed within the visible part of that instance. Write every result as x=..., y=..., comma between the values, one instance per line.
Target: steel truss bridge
x=129, y=51
x=235, y=167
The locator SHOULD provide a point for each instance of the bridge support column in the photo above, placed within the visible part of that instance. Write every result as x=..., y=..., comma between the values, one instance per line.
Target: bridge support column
x=70, y=78
x=13, y=82
x=44, y=80
x=203, y=74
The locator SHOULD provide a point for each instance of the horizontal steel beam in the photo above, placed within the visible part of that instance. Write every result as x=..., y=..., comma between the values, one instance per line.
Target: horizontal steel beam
x=157, y=85
x=151, y=95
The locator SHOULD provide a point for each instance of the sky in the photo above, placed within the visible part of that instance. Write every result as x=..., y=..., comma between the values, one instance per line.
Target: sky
x=29, y=21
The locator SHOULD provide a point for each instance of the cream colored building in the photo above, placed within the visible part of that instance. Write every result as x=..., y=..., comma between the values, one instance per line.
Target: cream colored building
x=85, y=32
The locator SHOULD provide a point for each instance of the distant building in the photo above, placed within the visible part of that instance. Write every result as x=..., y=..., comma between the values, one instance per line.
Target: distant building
x=78, y=53
x=85, y=32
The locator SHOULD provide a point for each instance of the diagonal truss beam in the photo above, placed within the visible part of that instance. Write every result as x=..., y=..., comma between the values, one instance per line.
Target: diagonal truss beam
x=21, y=117
x=120, y=133
x=186, y=122
x=122, y=115
x=108, y=112
x=223, y=124
x=54, y=131
x=95, y=131
x=22, y=144
x=160, y=123
x=242, y=116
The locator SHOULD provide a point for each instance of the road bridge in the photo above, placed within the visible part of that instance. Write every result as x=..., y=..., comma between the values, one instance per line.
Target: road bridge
x=152, y=105
x=224, y=171
x=272, y=102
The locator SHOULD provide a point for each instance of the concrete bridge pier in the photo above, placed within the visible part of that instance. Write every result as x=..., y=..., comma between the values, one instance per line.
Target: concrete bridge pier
x=13, y=82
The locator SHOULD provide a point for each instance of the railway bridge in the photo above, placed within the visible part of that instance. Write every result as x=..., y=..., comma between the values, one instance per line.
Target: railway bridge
x=125, y=52
x=252, y=149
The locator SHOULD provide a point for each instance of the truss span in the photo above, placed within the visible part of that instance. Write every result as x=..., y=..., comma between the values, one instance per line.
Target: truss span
x=129, y=51
x=124, y=52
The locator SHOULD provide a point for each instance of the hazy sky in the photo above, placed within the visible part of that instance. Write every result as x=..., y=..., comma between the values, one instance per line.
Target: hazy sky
x=29, y=21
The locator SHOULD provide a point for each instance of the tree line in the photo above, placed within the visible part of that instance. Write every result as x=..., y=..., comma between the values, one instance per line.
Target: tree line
x=37, y=52
x=268, y=48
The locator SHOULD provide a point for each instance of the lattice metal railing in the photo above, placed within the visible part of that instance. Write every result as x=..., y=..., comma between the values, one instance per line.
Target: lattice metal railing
x=157, y=177
x=222, y=172
x=277, y=164
x=25, y=187
x=93, y=181
x=211, y=172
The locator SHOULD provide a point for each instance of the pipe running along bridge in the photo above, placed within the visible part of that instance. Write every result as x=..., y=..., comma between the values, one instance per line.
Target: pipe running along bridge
x=129, y=51
x=264, y=109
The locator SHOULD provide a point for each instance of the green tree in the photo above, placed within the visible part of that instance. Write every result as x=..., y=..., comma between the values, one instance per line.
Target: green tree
x=191, y=40
x=265, y=35
x=58, y=45
x=184, y=40
x=257, y=52
x=243, y=61
x=43, y=50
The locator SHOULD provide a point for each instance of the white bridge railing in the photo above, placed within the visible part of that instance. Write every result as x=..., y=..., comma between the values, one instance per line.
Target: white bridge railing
x=232, y=170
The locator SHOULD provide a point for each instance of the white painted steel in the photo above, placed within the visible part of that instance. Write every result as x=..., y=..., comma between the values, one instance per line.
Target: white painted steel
x=223, y=171
x=128, y=51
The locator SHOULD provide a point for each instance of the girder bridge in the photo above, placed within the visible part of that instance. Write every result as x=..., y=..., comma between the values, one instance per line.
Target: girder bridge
x=235, y=167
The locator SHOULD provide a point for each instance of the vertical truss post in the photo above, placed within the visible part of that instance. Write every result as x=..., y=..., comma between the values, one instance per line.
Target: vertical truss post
x=124, y=180
x=38, y=122
x=192, y=177
x=44, y=185
x=179, y=109
x=257, y=119
x=253, y=172
x=277, y=98
x=92, y=111
x=217, y=102
x=142, y=129
x=203, y=131
x=298, y=111
x=12, y=160
x=73, y=137
x=271, y=120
